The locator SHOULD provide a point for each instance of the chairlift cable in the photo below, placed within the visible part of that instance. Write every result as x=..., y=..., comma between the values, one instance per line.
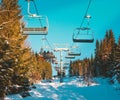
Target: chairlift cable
x=44, y=38
x=83, y=18
x=37, y=11
x=36, y=7
x=49, y=44
x=85, y=15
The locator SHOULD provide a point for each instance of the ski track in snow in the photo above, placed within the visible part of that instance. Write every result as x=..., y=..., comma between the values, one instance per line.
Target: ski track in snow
x=71, y=89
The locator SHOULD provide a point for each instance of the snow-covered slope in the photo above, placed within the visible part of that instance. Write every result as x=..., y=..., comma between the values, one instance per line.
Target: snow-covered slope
x=71, y=89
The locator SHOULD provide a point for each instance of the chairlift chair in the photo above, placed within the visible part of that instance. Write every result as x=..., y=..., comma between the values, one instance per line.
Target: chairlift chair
x=74, y=51
x=83, y=34
x=85, y=37
x=46, y=50
x=74, y=54
x=83, y=40
x=70, y=57
x=35, y=24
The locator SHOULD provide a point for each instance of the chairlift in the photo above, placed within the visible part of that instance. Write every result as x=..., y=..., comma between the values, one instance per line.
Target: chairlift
x=35, y=24
x=83, y=40
x=74, y=54
x=46, y=51
x=74, y=51
x=83, y=34
x=70, y=57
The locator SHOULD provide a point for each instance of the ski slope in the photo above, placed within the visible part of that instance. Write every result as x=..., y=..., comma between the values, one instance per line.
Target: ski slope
x=71, y=89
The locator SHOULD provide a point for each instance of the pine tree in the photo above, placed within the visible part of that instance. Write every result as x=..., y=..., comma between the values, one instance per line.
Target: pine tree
x=109, y=53
x=92, y=73
x=70, y=69
x=96, y=68
x=39, y=69
x=116, y=69
x=14, y=56
x=105, y=55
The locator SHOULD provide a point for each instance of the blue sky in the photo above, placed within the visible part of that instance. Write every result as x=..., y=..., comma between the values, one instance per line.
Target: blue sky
x=66, y=15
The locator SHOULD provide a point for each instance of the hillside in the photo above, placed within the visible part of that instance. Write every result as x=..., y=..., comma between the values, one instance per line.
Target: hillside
x=71, y=89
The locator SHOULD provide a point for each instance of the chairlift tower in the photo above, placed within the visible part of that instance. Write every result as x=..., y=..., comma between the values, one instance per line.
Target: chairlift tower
x=61, y=50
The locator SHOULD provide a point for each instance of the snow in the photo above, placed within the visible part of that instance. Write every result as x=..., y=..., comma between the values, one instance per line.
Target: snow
x=72, y=88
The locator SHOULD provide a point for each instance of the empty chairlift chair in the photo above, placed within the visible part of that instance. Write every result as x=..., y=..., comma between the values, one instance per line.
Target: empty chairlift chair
x=35, y=24
x=74, y=51
x=70, y=57
x=83, y=34
x=74, y=54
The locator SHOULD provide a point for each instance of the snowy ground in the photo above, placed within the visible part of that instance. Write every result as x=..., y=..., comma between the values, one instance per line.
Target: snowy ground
x=71, y=89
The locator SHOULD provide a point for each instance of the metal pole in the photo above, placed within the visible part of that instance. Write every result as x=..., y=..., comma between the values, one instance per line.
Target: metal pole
x=61, y=77
x=60, y=63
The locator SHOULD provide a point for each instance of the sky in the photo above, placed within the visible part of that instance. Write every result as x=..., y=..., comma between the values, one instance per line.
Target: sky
x=66, y=15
